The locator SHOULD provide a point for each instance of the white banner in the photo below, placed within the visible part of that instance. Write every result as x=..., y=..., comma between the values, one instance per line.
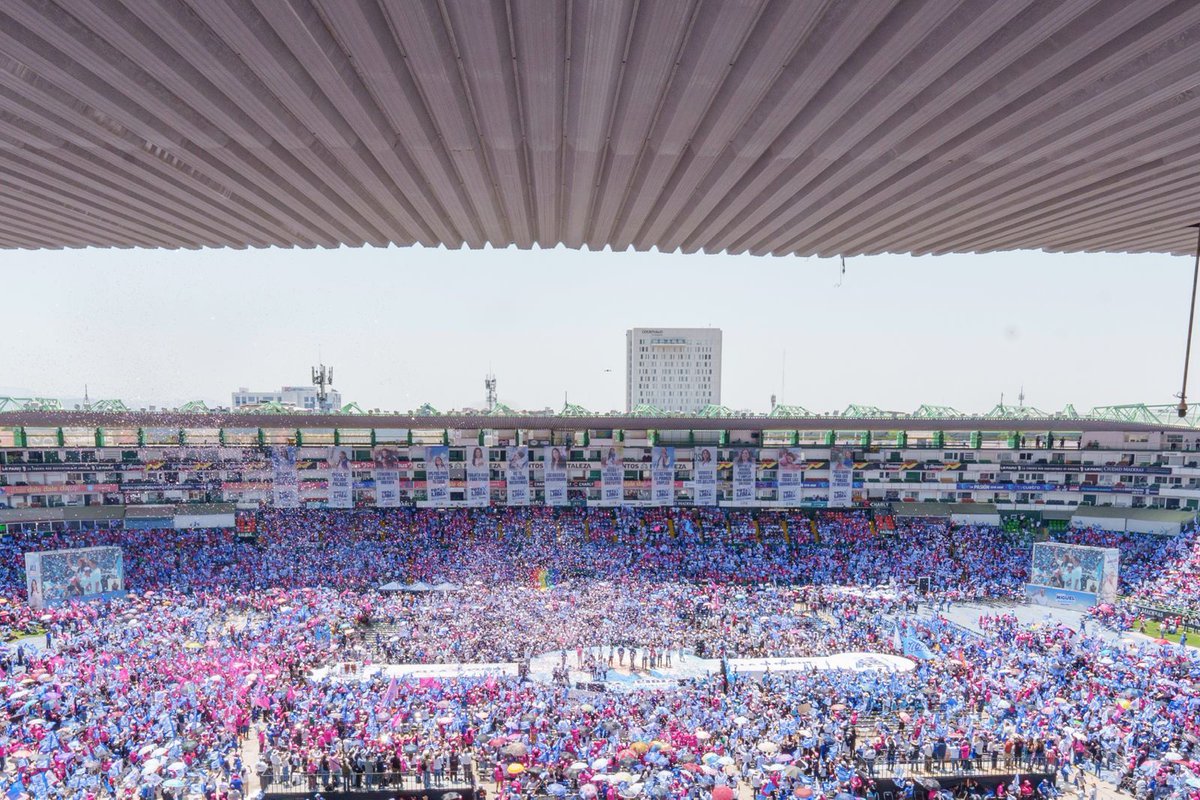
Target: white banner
x=841, y=477
x=790, y=472
x=285, y=485
x=612, y=476
x=554, y=475
x=437, y=475
x=387, y=476
x=516, y=476
x=704, y=486
x=341, y=484
x=745, y=465
x=662, y=476
x=479, y=477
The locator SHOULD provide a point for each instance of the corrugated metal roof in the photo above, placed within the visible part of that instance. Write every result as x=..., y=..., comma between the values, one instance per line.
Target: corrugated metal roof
x=761, y=126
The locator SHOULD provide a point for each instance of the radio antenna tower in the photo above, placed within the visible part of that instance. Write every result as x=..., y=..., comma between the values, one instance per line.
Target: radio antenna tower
x=322, y=378
x=489, y=383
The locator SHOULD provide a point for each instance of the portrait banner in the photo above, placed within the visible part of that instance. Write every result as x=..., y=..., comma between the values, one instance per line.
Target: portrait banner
x=791, y=472
x=662, y=476
x=554, y=475
x=612, y=476
x=387, y=476
x=745, y=466
x=341, y=484
x=437, y=475
x=841, y=477
x=285, y=485
x=704, y=470
x=516, y=476
x=479, y=477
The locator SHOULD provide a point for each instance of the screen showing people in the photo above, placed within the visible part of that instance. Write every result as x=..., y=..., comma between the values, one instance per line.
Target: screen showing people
x=58, y=576
x=1078, y=569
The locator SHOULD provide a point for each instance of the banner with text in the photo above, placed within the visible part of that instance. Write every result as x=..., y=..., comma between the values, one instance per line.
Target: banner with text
x=516, y=476
x=387, y=476
x=554, y=475
x=704, y=464
x=744, y=467
x=341, y=485
x=612, y=476
x=791, y=470
x=285, y=485
x=662, y=476
x=437, y=475
x=841, y=477
x=479, y=477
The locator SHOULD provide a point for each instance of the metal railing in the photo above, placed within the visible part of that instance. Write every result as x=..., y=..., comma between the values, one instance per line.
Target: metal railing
x=366, y=781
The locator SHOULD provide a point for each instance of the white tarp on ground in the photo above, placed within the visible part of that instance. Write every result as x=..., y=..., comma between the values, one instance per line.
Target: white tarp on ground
x=419, y=671
x=859, y=662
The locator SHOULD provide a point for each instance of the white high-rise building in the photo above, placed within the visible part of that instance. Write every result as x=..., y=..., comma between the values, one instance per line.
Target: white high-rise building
x=676, y=369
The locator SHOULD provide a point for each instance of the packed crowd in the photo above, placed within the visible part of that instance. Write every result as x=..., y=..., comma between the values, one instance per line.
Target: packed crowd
x=152, y=696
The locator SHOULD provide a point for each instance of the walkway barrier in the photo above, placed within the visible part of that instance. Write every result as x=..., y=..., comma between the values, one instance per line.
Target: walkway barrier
x=363, y=784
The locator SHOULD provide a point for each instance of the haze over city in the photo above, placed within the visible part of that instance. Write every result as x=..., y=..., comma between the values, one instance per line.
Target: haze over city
x=407, y=326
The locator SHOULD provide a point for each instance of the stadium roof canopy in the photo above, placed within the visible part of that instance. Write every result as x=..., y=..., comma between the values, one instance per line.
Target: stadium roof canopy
x=762, y=126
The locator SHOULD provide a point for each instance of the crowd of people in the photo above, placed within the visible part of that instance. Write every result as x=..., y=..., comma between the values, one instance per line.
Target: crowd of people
x=154, y=696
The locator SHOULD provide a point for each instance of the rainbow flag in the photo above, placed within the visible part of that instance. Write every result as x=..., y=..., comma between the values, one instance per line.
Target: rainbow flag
x=542, y=578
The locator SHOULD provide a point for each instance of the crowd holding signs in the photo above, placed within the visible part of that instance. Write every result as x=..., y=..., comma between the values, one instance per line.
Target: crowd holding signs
x=150, y=695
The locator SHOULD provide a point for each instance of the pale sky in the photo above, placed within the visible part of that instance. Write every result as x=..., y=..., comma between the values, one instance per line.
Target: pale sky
x=407, y=326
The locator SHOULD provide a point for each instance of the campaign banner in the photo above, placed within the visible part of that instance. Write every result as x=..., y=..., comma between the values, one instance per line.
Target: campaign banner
x=82, y=488
x=791, y=473
x=59, y=576
x=1081, y=488
x=612, y=476
x=285, y=485
x=841, y=477
x=554, y=475
x=1108, y=582
x=744, y=475
x=341, y=488
x=516, y=476
x=1060, y=598
x=479, y=474
x=437, y=475
x=704, y=476
x=1100, y=469
x=387, y=476
x=662, y=476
